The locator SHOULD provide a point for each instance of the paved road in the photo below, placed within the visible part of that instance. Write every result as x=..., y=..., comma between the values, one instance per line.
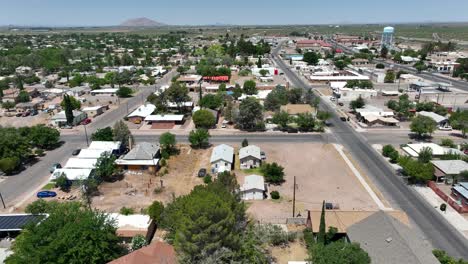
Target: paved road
x=15, y=188
x=433, y=227
x=462, y=85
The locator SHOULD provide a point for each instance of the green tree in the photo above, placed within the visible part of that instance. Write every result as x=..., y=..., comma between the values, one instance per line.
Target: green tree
x=8, y=105
x=339, y=252
x=276, y=98
x=121, y=133
x=44, y=137
x=103, y=134
x=177, y=94
x=389, y=77
x=322, y=228
x=384, y=52
x=124, y=92
x=447, y=142
x=68, y=109
x=63, y=183
x=305, y=122
x=73, y=233
x=105, y=167
x=250, y=114
x=204, y=221
x=9, y=164
x=425, y=155
x=75, y=104
x=250, y=87
x=273, y=173
x=444, y=258
x=459, y=120
x=138, y=242
x=23, y=97
x=204, y=119
x=212, y=101
x=380, y=66
x=155, y=211
x=168, y=143
x=245, y=143
x=199, y=138
x=311, y=58
x=264, y=72
x=237, y=91
x=295, y=95
x=358, y=103
x=259, y=63
x=281, y=119
x=387, y=150
x=422, y=125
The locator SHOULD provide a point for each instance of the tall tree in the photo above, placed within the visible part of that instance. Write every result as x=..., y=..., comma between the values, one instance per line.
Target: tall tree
x=250, y=87
x=178, y=94
x=322, y=228
x=74, y=235
x=122, y=133
x=422, y=125
x=250, y=114
x=204, y=119
x=68, y=109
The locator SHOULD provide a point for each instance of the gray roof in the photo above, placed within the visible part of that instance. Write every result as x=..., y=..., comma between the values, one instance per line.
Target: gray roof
x=462, y=189
x=142, y=151
x=450, y=167
x=222, y=152
x=250, y=150
x=436, y=117
x=16, y=222
x=388, y=241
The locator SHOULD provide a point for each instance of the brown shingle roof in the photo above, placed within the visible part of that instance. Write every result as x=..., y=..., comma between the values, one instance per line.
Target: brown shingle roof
x=154, y=253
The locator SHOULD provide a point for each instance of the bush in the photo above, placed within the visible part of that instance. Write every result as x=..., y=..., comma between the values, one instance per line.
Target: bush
x=380, y=66
x=163, y=162
x=387, y=150
x=39, y=152
x=207, y=179
x=63, y=183
x=446, y=142
x=9, y=165
x=443, y=207
x=275, y=195
x=138, y=242
x=394, y=156
x=126, y=211
x=273, y=173
x=158, y=190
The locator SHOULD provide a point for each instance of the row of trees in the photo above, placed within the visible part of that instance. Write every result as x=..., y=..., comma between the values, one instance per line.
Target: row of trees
x=19, y=145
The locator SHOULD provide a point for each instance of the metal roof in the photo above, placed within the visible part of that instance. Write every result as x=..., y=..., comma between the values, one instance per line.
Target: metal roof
x=250, y=150
x=222, y=152
x=450, y=167
x=16, y=222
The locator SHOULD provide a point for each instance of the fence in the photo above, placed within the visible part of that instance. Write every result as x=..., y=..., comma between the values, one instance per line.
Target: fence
x=446, y=198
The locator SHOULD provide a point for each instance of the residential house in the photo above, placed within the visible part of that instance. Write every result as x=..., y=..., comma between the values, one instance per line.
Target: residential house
x=222, y=158
x=154, y=253
x=113, y=147
x=29, y=106
x=141, y=113
x=72, y=174
x=250, y=157
x=164, y=121
x=414, y=149
x=77, y=163
x=388, y=241
x=93, y=111
x=144, y=156
x=104, y=92
x=253, y=188
x=445, y=170
x=441, y=121
x=60, y=119
x=372, y=116
x=460, y=194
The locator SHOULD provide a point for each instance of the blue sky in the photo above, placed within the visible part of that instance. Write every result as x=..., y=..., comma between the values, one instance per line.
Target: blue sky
x=199, y=12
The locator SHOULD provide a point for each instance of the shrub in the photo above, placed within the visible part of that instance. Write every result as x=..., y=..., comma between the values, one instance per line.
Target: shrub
x=275, y=195
x=394, y=156
x=39, y=152
x=380, y=66
x=446, y=142
x=138, y=242
x=126, y=211
x=207, y=179
x=163, y=162
x=443, y=207
x=9, y=165
x=387, y=150
x=63, y=183
x=158, y=190
x=273, y=173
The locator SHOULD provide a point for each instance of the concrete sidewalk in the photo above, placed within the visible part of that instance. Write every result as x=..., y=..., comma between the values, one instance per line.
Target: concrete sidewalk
x=453, y=217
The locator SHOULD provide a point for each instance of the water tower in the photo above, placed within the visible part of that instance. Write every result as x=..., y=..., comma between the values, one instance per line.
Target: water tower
x=387, y=37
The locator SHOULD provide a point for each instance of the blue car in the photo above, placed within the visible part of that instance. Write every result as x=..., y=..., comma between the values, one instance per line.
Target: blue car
x=46, y=194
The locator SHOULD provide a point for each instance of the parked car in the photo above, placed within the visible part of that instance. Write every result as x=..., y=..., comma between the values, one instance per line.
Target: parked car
x=34, y=112
x=445, y=128
x=202, y=172
x=263, y=155
x=76, y=152
x=46, y=194
x=26, y=113
x=54, y=167
x=86, y=121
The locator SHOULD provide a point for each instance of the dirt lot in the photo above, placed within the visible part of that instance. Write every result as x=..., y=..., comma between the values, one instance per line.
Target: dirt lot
x=295, y=251
x=137, y=190
x=321, y=174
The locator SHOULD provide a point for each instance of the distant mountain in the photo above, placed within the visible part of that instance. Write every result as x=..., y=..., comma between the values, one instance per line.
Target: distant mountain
x=141, y=22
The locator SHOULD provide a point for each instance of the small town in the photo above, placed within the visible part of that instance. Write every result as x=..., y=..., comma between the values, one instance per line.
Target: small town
x=279, y=139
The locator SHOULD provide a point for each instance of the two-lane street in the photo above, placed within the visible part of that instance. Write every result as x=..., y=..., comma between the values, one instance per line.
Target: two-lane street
x=433, y=227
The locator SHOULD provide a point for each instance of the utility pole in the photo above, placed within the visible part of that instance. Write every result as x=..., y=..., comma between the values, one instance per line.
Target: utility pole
x=294, y=198
x=3, y=202
x=86, y=135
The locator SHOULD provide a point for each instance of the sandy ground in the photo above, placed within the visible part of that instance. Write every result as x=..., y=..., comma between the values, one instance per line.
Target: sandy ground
x=321, y=174
x=137, y=190
x=295, y=251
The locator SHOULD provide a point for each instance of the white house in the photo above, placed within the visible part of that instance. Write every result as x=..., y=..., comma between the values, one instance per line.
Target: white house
x=141, y=113
x=222, y=158
x=60, y=119
x=250, y=157
x=253, y=188
x=76, y=163
x=72, y=174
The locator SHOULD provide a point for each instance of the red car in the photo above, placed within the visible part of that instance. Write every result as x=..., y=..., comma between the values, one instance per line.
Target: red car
x=86, y=121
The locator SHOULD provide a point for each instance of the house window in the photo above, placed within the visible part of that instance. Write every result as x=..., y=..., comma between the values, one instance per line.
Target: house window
x=225, y=164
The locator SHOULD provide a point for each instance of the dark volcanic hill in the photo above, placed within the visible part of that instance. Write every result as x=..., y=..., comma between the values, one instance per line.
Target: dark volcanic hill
x=141, y=22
